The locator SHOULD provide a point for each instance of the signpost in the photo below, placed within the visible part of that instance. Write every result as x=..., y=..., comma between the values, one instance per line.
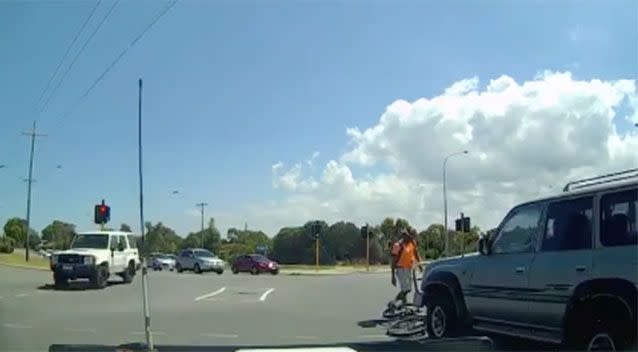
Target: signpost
x=316, y=232
x=365, y=233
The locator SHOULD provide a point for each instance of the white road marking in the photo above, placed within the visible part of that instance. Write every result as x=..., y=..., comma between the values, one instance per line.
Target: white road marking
x=374, y=336
x=303, y=349
x=152, y=333
x=300, y=337
x=80, y=330
x=16, y=326
x=22, y=294
x=228, y=336
x=211, y=294
x=265, y=294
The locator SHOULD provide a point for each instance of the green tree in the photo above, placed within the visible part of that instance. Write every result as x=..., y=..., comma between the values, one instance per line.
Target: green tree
x=16, y=228
x=209, y=238
x=58, y=234
x=160, y=238
x=249, y=239
x=125, y=228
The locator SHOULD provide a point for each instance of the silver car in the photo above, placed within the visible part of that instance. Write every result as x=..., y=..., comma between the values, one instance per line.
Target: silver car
x=198, y=260
x=163, y=262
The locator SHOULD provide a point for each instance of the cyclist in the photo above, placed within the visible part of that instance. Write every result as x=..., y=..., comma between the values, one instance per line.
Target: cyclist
x=404, y=257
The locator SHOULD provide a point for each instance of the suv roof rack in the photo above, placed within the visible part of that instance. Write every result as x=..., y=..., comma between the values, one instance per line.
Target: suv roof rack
x=592, y=181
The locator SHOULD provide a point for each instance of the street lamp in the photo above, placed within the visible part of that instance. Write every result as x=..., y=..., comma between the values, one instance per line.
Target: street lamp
x=445, y=198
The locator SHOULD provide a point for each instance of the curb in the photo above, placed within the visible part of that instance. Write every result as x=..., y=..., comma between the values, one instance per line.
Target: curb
x=23, y=266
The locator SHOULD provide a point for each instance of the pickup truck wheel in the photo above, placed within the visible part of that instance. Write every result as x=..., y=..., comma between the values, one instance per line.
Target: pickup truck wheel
x=99, y=280
x=129, y=273
x=197, y=269
x=441, y=318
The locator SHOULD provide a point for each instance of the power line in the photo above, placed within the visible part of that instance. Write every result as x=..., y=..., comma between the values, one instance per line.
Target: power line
x=117, y=59
x=68, y=69
x=68, y=49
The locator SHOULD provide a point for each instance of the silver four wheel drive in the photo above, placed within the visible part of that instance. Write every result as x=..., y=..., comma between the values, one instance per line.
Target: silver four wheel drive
x=562, y=269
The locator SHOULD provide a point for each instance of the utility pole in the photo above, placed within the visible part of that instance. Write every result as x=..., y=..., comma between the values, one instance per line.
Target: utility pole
x=33, y=134
x=245, y=226
x=202, y=205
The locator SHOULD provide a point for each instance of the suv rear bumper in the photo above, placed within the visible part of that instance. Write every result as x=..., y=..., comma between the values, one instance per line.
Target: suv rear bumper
x=75, y=271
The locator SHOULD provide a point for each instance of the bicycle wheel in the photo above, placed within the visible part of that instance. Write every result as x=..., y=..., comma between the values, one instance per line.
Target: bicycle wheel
x=408, y=326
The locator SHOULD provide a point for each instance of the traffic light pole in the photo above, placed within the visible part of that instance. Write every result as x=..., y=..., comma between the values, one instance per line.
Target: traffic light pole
x=317, y=254
x=147, y=313
x=367, y=248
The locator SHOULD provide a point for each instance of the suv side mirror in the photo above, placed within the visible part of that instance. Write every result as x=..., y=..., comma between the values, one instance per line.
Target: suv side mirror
x=484, y=246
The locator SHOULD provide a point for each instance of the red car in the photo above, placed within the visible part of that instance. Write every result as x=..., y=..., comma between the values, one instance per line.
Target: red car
x=255, y=264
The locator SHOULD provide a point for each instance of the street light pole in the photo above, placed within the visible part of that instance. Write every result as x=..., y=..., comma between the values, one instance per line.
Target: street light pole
x=445, y=232
x=202, y=205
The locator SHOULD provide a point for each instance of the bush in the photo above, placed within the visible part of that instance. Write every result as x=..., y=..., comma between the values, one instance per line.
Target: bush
x=6, y=245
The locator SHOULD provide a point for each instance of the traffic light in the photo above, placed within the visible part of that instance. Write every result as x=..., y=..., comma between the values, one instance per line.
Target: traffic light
x=364, y=231
x=102, y=213
x=316, y=229
x=462, y=224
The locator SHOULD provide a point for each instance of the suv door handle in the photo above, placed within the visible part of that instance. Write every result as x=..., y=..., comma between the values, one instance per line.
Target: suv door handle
x=520, y=270
x=581, y=268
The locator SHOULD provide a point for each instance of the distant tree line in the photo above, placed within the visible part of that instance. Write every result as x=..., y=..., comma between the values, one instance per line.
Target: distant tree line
x=340, y=243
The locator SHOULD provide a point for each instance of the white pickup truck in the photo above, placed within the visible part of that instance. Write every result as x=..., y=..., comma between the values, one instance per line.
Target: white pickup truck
x=96, y=256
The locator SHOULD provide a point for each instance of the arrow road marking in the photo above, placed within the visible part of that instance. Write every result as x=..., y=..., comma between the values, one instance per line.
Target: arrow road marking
x=211, y=294
x=265, y=294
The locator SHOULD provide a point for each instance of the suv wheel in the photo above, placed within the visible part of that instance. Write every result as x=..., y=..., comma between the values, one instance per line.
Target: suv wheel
x=99, y=280
x=60, y=281
x=129, y=273
x=234, y=270
x=178, y=268
x=254, y=270
x=197, y=269
x=441, y=318
x=220, y=271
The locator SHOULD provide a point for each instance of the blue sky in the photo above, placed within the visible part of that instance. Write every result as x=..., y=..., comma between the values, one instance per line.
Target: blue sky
x=231, y=88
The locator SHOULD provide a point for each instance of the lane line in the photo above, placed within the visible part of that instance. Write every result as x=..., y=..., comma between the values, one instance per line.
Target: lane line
x=22, y=294
x=16, y=326
x=80, y=330
x=265, y=294
x=300, y=337
x=228, y=336
x=152, y=333
x=211, y=294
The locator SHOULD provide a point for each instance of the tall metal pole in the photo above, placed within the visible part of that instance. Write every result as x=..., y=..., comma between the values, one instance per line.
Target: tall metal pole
x=32, y=134
x=367, y=248
x=147, y=313
x=202, y=205
x=317, y=254
x=445, y=231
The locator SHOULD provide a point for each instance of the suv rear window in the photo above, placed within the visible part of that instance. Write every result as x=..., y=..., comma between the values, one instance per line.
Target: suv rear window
x=618, y=218
x=569, y=225
x=132, y=241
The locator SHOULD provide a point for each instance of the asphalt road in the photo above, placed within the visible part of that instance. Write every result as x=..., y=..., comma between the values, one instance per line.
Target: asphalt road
x=192, y=309
x=188, y=308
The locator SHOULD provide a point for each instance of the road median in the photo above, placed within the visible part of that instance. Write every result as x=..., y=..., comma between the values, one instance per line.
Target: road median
x=329, y=270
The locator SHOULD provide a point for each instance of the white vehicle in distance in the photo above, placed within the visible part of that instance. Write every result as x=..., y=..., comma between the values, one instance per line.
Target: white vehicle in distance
x=96, y=256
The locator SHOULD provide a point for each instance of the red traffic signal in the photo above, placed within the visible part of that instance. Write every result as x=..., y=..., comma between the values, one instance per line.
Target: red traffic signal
x=102, y=213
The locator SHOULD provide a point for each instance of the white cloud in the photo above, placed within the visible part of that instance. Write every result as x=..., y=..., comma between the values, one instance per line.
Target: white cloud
x=525, y=139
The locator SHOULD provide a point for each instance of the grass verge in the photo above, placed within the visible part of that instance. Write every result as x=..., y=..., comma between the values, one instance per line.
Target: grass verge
x=17, y=259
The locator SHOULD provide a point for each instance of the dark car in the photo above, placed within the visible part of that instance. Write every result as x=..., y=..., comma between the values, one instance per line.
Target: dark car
x=255, y=264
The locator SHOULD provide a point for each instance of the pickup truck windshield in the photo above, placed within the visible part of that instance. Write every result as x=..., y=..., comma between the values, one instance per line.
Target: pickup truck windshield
x=91, y=241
